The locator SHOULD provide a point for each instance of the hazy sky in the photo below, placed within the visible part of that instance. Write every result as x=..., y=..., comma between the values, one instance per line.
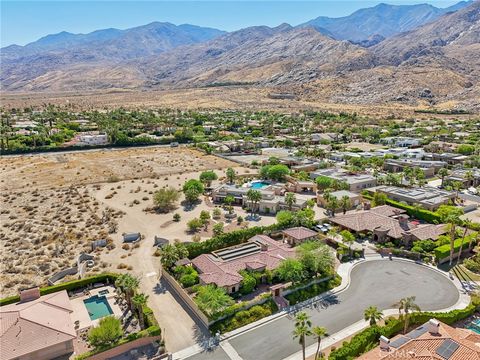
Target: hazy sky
x=26, y=21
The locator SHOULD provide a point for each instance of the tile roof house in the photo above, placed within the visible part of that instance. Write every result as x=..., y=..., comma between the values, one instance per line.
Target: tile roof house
x=37, y=329
x=222, y=267
x=433, y=341
x=387, y=222
x=297, y=235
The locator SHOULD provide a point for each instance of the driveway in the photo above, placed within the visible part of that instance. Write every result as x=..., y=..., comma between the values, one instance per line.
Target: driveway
x=380, y=283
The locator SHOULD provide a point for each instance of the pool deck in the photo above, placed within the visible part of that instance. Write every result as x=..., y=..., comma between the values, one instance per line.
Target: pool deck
x=80, y=312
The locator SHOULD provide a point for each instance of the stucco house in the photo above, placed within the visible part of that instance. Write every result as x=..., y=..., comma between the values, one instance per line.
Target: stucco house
x=37, y=328
x=297, y=235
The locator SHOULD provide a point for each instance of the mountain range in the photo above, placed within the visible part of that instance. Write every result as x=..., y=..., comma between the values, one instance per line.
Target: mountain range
x=386, y=53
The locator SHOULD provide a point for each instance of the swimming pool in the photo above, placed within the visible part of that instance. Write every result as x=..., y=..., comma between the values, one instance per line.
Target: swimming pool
x=98, y=307
x=475, y=326
x=258, y=185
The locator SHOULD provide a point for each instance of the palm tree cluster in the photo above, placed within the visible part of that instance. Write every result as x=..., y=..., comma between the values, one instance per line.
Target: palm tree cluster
x=303, y=329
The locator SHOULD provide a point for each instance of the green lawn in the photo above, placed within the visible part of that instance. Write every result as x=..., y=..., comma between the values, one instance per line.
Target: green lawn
x=464, y=274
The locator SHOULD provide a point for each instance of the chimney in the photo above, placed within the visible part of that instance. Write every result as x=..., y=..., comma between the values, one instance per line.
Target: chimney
x=29, y=294
x=384, y=343
x=433, y=326
x=367, y=205
x=403, y=221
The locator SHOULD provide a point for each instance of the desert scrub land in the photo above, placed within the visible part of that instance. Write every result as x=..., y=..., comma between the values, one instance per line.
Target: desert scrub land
x=43, y=231
x=51, y=213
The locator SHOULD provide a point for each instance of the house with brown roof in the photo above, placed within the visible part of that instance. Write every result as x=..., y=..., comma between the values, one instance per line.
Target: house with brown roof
x=297, y=235
x=433, y=340
x=222, y=267
x=387, y=223
x=37, y=327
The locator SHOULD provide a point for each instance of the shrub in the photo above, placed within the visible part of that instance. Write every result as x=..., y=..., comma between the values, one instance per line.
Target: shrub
x=165, y=199
x=443, y=251
x=189, y=280
x=108, y=331
x=313, y=290
x=248, y=283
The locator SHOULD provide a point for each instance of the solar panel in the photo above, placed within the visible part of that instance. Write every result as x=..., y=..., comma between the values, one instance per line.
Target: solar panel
x=417, y=332
x=399, y=342
x=447, y=348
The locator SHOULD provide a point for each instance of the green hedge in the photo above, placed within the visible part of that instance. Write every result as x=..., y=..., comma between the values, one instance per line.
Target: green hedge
x=443, y=251
x=368, y=338
x=422, y=214
x=69, y=286
x=313, y=290
x=244, y=317
x=225, y=240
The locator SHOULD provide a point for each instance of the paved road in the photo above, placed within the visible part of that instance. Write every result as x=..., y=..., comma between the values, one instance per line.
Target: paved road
x=380, y=283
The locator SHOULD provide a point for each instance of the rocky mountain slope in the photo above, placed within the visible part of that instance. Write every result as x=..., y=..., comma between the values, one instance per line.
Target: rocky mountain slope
x=436, y=62
x=380, y=21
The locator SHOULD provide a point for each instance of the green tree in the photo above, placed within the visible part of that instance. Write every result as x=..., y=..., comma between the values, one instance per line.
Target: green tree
x=443, y=173
x=191, y=195
x=275, y=172
x=319, y=332
x=302, y=329
x=211, y=299
x=231, y=174
x=229, y=200
x=193, y=184
x=205, y=218
x=379, y=198
x=315, y=257
x=108, y=331
x=372, y=315
x=348, y=238
x=345, y=203
x=290, y=200
x=218, y=229
x=451, y=216
x=207, y=177
x=176, y=217
x=194, y=225
x=254, y=196
x=332, y=205
x=164, y=199
x=128, y=285
x=290, y=270
x=323, y=182
x=139, y=301
x=466, y=149
x=407, y=305
x=248, y=283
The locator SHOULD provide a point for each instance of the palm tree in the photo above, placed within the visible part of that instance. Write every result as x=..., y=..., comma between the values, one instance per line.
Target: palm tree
x=254, y=196
x=332, y=205
x=230, y=173
x=443, y=172
x=345, y=203
x=302, y=329
x=469, y=177
x=140, y=300
x=128, y=284
x=319, y=332
x=466, y=224
x=451, y=216
x=407, y=305
x=457, y=186
x=372, y=314
x=290, y=200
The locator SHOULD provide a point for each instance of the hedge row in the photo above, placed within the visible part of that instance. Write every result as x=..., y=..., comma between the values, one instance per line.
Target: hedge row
x=443, y=251
x=69, y=286
x=422, y=214
x=313, y=290
x=225, y=240
x=368, y=338
x=244, y=317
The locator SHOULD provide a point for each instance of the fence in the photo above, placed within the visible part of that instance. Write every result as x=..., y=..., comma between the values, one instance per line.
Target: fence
x=180, y=292
x=118, y=350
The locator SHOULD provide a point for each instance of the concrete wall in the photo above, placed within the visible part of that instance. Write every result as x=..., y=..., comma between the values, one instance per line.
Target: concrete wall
x=118, y=350
x=49, y=352
x=187, y=300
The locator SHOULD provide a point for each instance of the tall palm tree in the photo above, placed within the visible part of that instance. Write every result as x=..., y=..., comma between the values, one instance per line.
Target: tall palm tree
x=332, y=205
x=128, y=284
x=345, y=203
x=407, y=305
x=290, y=200
x=254, y=196
x=140, y=300
x=443, y=172
x=451, y=216
x=372, y=315
x=302, y=329
x=319, y=332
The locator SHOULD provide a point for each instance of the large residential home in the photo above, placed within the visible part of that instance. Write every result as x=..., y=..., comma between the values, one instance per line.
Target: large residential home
x=355, y=198
x=270, y=202
x=449, y=158
x=38, y=327
x=433, y=340
x=429, y=198
x=468, y=177
x=404, y=142
x=222, y=267
x=297, y=235
x=429, y=168
x=356, y=182
x=387, y=223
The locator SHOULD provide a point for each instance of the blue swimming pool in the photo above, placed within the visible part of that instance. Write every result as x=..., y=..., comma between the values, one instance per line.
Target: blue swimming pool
x=258, y=185
x=475, y=326
x=98, y=307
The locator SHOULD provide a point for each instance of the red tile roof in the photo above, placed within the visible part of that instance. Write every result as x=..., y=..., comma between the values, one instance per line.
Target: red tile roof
x=300, y=233
x=214, y=270
x=27, y=327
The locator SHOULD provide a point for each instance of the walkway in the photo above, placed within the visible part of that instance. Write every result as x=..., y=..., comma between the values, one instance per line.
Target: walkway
x=373, y=282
